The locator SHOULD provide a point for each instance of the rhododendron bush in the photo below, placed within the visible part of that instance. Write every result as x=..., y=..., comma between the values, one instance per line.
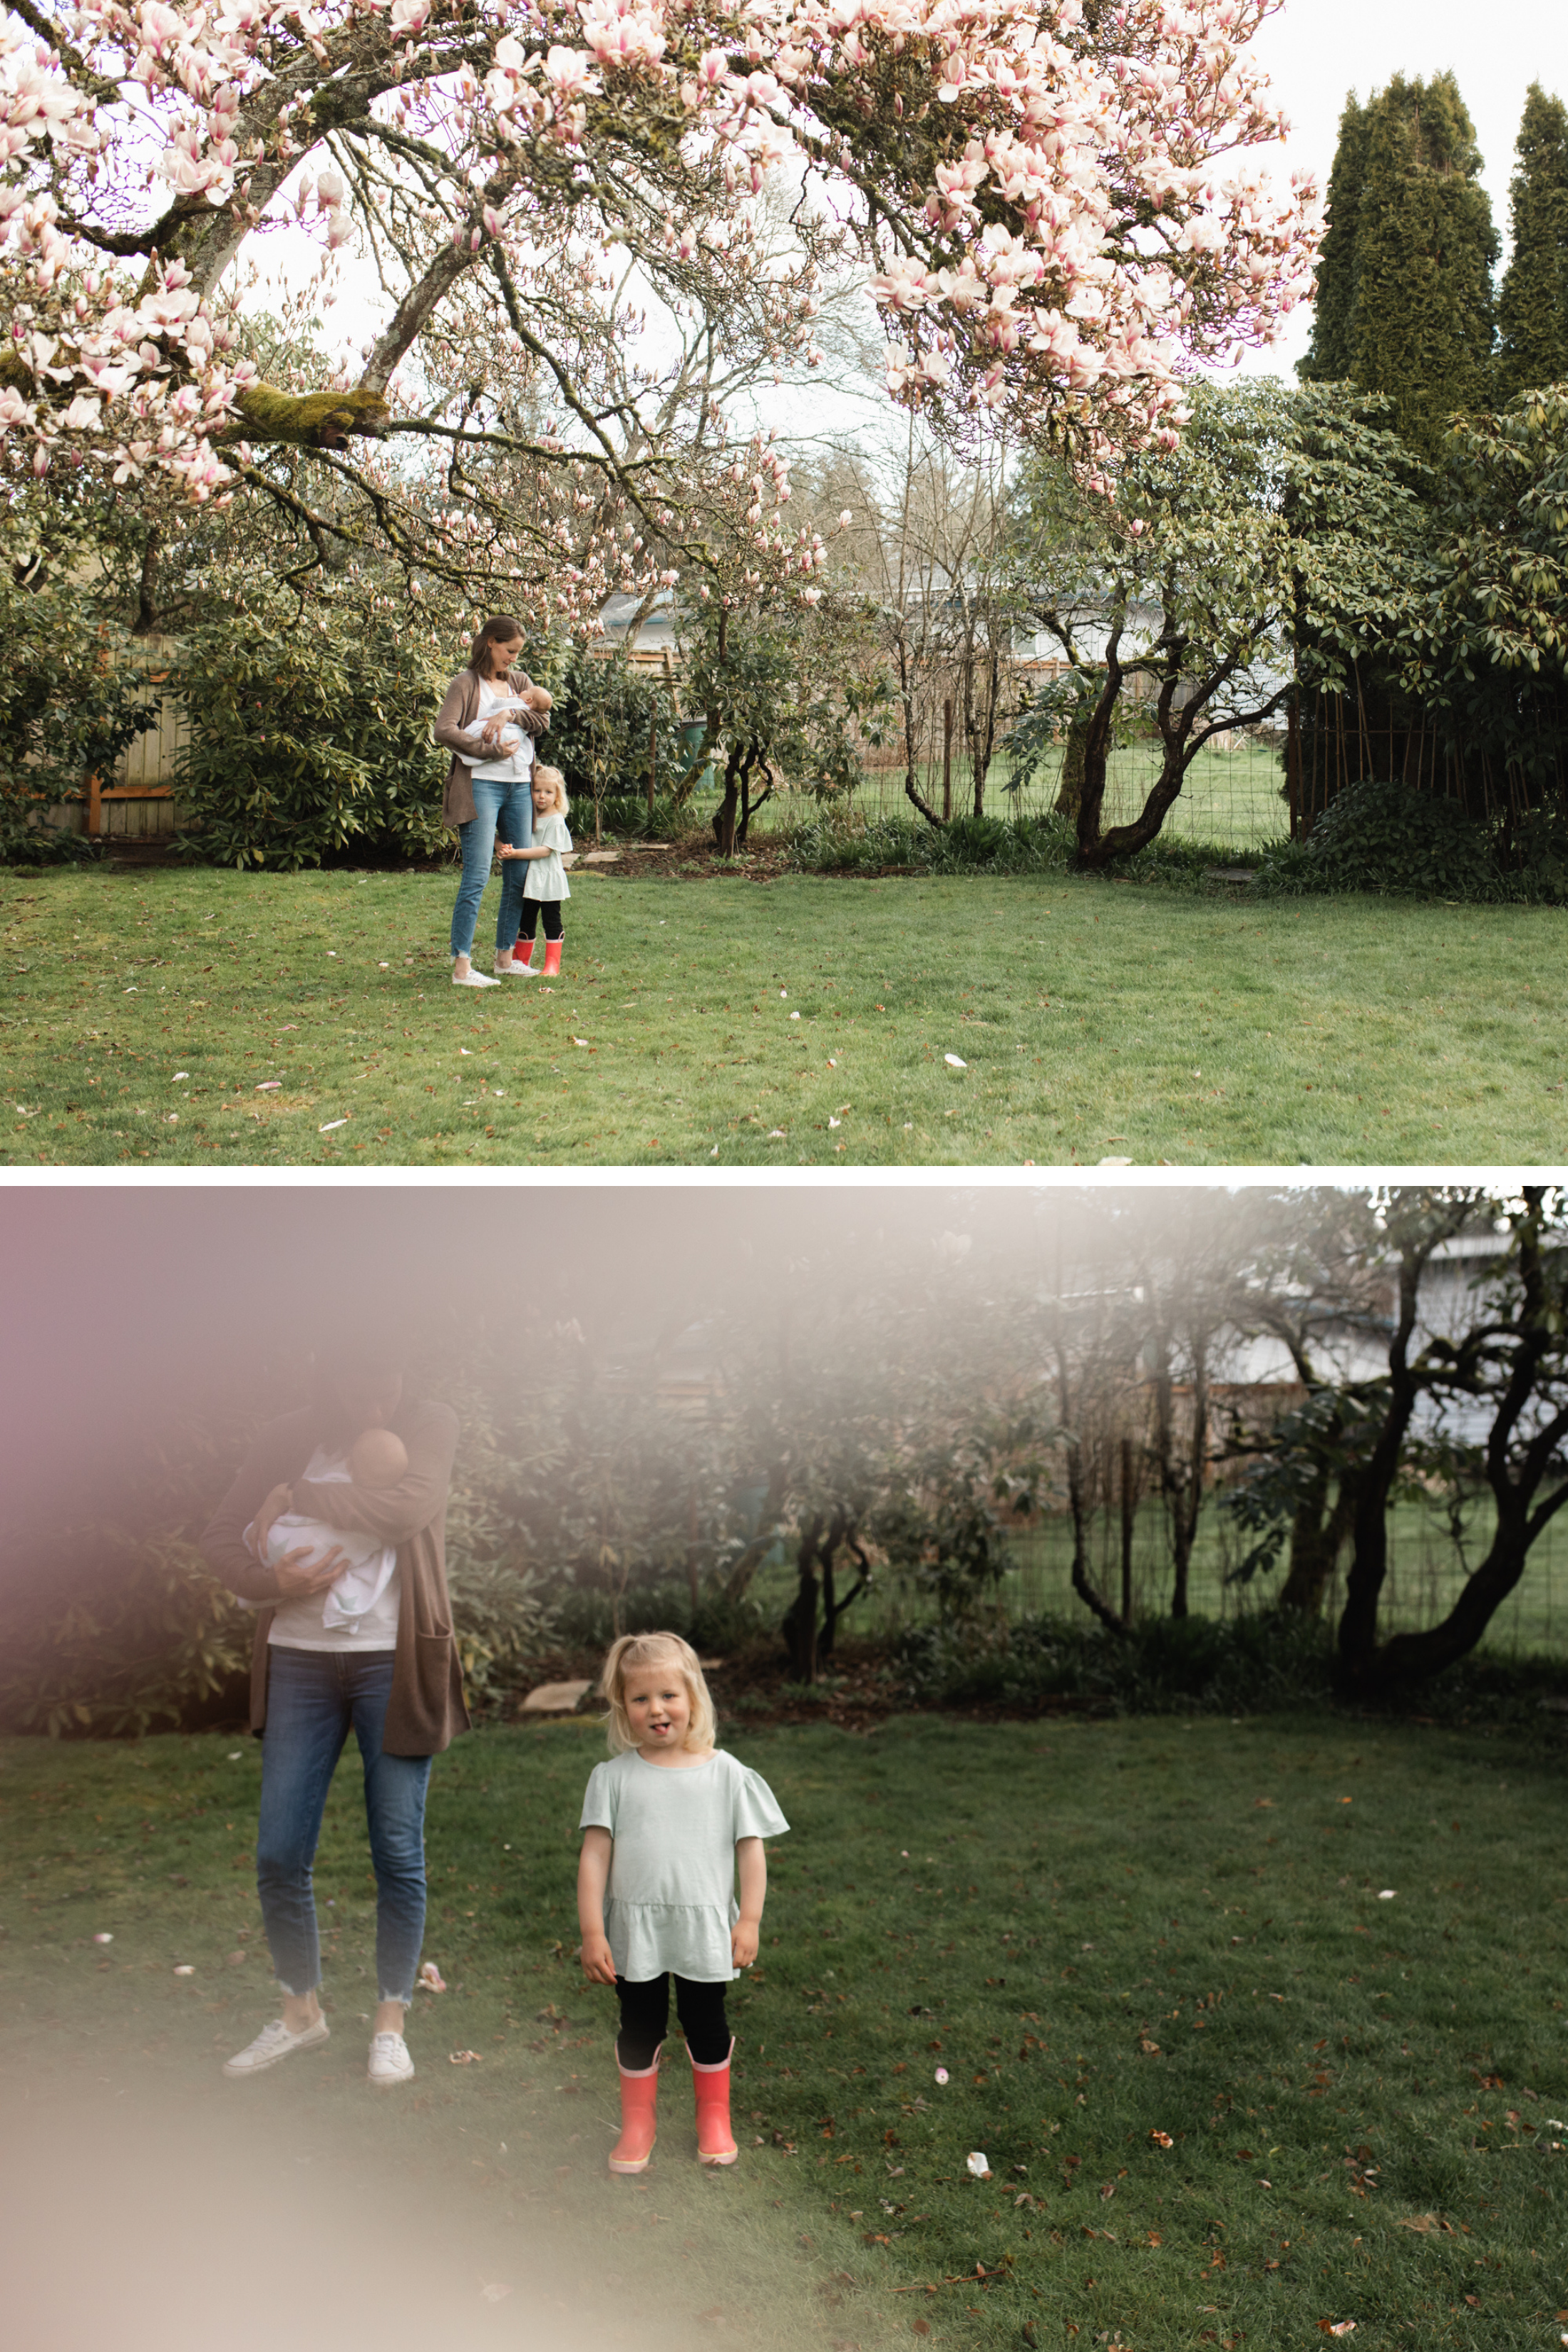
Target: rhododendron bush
x=1054, y=205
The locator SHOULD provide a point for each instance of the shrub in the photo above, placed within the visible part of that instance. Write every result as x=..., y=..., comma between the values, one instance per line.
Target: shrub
x=156, y=1643
x=1168, y=1667
x=501, y=1624
x=1387, y=837
x=308, y=737
x=73, y=697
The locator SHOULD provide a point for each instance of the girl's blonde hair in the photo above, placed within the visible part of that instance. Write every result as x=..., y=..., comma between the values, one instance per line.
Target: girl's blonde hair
x=553, y=776
x=634, y=1650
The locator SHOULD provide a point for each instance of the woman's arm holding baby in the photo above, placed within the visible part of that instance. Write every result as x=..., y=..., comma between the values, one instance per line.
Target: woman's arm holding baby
x=391, y=1513
x=592, y=1877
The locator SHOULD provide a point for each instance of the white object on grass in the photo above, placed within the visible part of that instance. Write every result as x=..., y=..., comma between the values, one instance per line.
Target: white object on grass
x=953, y=1062
x=975, y=2162
x=329, y=1125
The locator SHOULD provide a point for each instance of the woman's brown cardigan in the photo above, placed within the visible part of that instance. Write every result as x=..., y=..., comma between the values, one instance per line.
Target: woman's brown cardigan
x=459, y=708
x=427, y=1710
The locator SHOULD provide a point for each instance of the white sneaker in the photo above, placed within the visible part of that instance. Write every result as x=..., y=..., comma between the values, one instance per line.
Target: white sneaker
x=472, y=979
x=389, y=2059
x=274, y=2041
x=515, y=970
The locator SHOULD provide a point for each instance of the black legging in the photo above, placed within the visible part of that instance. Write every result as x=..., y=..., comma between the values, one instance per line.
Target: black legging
x=645, y=2019
x=551, y=910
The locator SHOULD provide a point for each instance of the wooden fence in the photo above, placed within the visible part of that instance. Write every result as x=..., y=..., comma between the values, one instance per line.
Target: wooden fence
x=136, y=803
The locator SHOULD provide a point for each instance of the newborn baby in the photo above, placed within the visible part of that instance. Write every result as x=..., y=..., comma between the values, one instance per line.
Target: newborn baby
x=498, y=737
x=377, y=1458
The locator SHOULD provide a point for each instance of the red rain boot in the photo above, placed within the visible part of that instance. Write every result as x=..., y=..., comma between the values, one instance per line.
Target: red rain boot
x=715, y=2140
x=639, y=2096
x=552, y=956
x=523, y=954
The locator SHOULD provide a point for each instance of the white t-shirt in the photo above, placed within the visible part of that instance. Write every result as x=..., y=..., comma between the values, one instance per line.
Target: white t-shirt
x=515, y=764
x=358, y=1608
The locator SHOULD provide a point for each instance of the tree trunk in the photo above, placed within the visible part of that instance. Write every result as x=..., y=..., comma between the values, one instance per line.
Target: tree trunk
x=833, y=1608
x=907, y=700
x=1317, y=1537
x=1187, y=1500
x=1080, y=1583
x=799, y=1627
x=1069, y=792
x=1369, y=1556
x=724, y=814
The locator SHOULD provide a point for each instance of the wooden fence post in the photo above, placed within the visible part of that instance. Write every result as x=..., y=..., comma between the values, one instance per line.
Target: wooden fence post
x=652, y=760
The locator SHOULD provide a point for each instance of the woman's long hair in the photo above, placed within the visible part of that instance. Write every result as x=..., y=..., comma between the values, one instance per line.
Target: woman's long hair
x=499, y=630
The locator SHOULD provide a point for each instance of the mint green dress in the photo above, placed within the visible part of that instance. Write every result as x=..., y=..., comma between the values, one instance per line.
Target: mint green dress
x=670, y=1903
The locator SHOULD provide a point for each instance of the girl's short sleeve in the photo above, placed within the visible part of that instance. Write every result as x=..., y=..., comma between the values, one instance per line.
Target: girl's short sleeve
x=599, y=1800
x=754, y=1808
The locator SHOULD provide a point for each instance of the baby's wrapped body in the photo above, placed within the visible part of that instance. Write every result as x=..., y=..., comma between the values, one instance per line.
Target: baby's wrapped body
x=510, y=737
x=377, y=1458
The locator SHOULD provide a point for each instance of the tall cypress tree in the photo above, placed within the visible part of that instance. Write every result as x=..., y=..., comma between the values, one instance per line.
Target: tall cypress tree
x=1532, y=308
x=1410, y=307
x=1328, y=359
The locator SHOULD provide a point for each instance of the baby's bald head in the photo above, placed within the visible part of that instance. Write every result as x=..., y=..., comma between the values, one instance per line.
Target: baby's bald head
x=377, y=1458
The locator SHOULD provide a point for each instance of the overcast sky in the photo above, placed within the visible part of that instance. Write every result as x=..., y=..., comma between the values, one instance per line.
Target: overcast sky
x=1317, y=50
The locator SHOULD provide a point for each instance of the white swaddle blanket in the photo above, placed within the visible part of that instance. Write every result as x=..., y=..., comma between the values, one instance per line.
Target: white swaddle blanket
x=355, y=1591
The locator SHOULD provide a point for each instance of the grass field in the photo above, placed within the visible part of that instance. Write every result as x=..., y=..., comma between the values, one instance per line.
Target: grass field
x=1229, y=2091
x=206, y=1018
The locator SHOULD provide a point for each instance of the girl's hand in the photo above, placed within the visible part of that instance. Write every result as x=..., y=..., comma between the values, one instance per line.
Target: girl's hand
x=743, y=1941
x=597, y=1965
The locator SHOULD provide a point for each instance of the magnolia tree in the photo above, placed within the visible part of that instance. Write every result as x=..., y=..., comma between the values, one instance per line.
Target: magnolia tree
x=1055, y=201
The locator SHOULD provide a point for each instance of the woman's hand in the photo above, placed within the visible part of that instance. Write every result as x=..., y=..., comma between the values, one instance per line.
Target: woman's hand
x=299, y=1574
x=279, y=1500
x=597, y=1965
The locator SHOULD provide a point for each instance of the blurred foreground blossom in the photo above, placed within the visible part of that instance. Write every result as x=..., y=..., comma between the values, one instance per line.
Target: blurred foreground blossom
x=185, y=1969
x=976, y=2163
x=103, y=1939
x=430, y=1977
x=942, y=2074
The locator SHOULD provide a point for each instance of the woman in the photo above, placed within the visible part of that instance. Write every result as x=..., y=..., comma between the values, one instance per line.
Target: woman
x=391, y=1676
x=480, y=800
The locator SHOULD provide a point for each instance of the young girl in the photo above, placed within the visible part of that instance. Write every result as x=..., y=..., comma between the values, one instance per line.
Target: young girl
x=545, y=885
x=667, y=1825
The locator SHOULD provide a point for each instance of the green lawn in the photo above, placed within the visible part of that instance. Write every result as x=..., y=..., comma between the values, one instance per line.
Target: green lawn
x=1095, y=1022
x=1107, y=1935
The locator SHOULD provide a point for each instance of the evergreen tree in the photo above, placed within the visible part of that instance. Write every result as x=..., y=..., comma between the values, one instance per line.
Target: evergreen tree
x=1409, y=307
x=1328, y=360
x=1532, y=308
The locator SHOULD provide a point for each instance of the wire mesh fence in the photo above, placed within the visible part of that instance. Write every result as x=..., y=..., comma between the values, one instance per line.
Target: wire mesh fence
x=1233, y=798
x=1425, y=1572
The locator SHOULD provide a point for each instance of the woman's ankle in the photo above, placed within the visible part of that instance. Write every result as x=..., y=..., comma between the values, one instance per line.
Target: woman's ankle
x=300, y=2011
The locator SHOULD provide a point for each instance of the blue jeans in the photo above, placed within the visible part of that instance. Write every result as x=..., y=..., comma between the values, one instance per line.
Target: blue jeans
x=505, y=810
x=314, y=1698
